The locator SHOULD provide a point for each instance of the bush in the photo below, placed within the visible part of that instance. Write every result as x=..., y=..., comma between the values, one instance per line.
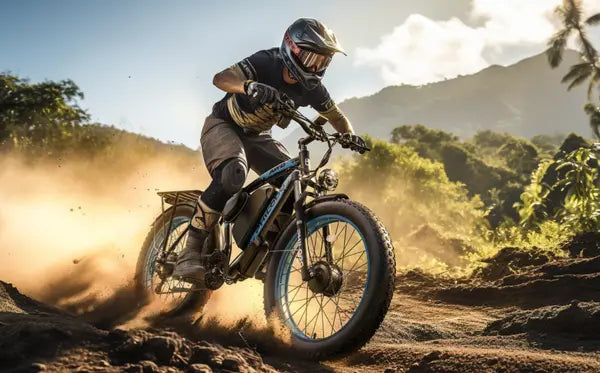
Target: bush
x=565, y=190
x=408, y=191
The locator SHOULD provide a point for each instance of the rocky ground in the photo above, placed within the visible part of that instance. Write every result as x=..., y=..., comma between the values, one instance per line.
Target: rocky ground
x=527, y=311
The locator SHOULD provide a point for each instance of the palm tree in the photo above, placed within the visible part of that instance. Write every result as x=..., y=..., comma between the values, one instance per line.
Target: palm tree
x=571, y=15
x=594, y=113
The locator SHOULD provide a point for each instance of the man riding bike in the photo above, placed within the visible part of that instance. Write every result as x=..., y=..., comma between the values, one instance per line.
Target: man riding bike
x=237, y=135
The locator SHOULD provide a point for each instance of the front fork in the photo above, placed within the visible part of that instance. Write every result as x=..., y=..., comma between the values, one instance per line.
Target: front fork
x=299, y=198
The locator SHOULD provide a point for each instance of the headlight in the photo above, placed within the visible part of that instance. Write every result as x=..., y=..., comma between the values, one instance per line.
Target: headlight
x=328, y=179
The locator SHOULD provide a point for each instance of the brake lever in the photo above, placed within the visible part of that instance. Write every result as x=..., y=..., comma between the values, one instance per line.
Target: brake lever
x=359, y=148
x=285, y=103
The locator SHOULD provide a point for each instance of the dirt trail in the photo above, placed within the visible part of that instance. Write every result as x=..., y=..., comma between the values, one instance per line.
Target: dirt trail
x=418, y=335
x=542, y=316
x=421, y=335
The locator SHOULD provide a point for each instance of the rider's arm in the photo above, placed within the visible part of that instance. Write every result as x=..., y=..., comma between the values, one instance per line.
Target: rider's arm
x=230, y=80
x=321, y=101
x=338, y=120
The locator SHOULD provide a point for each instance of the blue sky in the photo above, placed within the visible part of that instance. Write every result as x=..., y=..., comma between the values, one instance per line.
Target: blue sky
x=146, y=66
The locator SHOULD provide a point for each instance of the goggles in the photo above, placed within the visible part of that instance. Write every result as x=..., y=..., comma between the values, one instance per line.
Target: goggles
x=311, y=61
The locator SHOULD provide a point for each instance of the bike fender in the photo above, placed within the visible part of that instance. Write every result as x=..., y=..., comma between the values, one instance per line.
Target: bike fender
x=327, y=197
x=169, y=209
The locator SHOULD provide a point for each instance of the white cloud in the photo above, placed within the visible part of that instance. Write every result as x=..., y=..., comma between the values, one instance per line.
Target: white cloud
x=422, y=50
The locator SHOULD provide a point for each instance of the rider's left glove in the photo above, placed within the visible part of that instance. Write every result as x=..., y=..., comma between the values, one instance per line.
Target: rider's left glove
x=265, y=94
x=353, y=142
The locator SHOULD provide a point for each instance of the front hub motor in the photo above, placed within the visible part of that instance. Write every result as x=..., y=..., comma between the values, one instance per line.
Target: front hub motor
x=327, y=279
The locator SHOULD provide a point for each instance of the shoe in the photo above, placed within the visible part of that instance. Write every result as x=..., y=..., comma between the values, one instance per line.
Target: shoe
x=190, y=264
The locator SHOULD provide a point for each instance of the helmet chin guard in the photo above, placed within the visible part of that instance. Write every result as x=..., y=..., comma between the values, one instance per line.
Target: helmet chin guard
x=307, y=49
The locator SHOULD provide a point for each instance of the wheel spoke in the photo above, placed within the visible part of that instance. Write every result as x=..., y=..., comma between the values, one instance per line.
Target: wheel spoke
x=314, y=314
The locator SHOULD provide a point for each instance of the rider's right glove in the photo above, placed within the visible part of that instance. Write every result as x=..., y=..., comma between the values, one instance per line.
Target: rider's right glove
x=265, y=94
x=354, y=142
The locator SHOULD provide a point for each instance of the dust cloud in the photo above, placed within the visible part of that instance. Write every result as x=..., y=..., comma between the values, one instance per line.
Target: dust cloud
x=56, y=214
x=71, y=231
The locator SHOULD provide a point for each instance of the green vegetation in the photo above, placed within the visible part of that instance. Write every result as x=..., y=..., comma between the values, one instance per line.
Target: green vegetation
x=44, y=121
x=565, y=190
x=531, y=194
x=494, y=166
x=571, y=16
x=432, y=219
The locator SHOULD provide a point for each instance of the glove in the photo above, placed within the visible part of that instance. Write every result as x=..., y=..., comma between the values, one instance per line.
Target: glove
x=263, y=93
x=354, y=142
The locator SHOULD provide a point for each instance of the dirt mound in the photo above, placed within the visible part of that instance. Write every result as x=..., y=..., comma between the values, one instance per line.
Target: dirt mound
x=36, y=337
x=555, y=283
x=583, y=245
x=527, y=278
x=13, y=301
x=164, y=348
x=578, y=320
x=512, y=259
x=482, y=361
x=31, y=329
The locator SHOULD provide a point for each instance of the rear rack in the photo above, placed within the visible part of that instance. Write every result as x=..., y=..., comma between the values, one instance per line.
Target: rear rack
x=180, y=196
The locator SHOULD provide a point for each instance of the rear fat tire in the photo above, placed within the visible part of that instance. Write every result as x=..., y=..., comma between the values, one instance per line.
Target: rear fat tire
x=193, y=300
x=378, y=293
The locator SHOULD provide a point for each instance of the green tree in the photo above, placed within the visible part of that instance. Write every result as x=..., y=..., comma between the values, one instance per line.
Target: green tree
x=532, y=207
x=410, y=190
x=520, y=155
x=565, y=190
x=571, y=16
x=593, y=112
x=38, y=117
x=425, y=141
x=582, y=200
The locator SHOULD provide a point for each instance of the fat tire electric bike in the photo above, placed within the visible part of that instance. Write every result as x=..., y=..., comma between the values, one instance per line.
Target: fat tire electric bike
x=328, y=266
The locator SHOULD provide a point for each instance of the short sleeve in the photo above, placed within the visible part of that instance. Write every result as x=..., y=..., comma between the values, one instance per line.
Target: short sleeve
x=321, y=100
x=256, y=66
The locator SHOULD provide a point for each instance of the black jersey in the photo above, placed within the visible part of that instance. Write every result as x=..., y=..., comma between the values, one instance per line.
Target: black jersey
x=266, y=66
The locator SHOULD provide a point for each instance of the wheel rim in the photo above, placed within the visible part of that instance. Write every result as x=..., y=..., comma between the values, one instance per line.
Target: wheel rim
x=316, y=316
x=151, y=278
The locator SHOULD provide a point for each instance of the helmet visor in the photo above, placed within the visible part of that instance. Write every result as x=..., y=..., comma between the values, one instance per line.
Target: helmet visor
x=312, y=61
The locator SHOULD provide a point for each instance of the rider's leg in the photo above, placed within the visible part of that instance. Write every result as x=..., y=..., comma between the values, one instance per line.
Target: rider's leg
x=228, y=179
x=225, y=159
x=263, y=153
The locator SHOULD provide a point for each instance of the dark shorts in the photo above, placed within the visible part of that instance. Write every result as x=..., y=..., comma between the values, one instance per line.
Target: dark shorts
x=222, y=140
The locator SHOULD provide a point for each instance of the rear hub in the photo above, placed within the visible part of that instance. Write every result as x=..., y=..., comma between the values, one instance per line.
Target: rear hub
x=164, y=268
x=327, y=279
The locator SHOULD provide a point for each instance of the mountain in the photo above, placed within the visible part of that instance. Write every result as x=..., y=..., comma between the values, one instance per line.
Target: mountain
x=524, y=99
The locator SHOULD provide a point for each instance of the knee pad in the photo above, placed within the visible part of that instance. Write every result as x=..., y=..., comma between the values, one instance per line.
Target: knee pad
x=233, y=175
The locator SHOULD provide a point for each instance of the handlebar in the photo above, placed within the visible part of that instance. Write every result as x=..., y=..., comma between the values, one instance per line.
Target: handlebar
x=286, y=106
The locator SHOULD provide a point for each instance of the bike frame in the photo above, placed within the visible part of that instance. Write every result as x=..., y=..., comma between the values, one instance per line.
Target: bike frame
x=299, y=177
x=297, y=170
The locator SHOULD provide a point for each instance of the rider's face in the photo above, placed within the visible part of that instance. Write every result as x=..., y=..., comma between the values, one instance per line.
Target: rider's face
x=287, y=77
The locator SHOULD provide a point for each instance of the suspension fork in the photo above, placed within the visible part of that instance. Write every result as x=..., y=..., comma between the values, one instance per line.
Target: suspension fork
x=328, y=248
x=300, y=197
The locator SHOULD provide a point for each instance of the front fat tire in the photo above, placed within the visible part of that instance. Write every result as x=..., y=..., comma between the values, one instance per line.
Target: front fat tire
x=193, y=301
x=380, y=286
